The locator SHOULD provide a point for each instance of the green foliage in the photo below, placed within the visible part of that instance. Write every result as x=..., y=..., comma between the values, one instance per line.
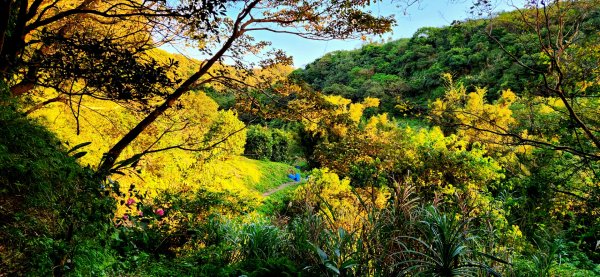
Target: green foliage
x=554, y=257
x=224, y=99
x=260, y=241
x=340, y=260
x=263, y=143
x=226, y=136
x=201, y=213
x=259, y=143
x=411, y=68
x=55, y=213
x=280, y=146
x=446, y=248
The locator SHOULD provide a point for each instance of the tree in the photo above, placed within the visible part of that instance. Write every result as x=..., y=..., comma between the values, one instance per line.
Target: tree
x=551, y=130
x=98, y=44
x=102, y=48
x=561, y=29
x=321, y=20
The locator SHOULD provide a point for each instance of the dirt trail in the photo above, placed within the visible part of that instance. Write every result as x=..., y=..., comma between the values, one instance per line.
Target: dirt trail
x=280, y=187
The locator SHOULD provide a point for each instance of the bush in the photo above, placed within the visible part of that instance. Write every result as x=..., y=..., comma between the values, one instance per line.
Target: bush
x=261, y=241
x=259, y=143
x=263, y=143
x=280, y=146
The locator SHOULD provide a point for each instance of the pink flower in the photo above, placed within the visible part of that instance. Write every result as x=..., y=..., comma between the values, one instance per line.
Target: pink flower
x=140, y=213
x=125, y=217
x=130, y=201
x=160, y=212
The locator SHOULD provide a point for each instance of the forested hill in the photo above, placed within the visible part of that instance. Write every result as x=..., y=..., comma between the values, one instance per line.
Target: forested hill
x=478, y=53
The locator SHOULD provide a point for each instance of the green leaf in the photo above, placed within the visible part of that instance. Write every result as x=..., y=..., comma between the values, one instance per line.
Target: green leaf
x=332, y=267
x=348, y=264
x=79, y=146
x=320, y=252
x=79, y=155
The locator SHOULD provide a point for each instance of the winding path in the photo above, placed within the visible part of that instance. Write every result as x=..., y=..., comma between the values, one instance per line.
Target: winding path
x=280, y=187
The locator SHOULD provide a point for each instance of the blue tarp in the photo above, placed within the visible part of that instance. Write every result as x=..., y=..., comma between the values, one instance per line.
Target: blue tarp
x=295, y=177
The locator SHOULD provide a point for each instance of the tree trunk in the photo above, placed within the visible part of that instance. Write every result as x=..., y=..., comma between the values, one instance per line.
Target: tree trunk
x=5, y=6
x=22, y=88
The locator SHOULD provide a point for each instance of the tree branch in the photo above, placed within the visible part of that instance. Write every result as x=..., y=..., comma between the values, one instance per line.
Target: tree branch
x=42, y=104
x=112, y=155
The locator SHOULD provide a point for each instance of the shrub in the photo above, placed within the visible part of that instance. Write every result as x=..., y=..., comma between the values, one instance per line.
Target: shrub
x=263, y=143
x=280, y=146
x=443, y=246
x=259, y=143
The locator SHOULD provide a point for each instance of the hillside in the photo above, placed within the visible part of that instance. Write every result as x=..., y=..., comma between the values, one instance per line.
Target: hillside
x=477, y=53
x=52, y=207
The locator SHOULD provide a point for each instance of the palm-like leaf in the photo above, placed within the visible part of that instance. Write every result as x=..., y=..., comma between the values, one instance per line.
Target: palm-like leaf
x=443, y=247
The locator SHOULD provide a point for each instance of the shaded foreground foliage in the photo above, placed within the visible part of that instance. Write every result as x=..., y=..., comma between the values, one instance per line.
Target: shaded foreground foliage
x=55, y=214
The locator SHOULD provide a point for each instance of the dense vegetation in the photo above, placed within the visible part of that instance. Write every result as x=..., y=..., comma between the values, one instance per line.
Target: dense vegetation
x=477, y=53
x=466, y=150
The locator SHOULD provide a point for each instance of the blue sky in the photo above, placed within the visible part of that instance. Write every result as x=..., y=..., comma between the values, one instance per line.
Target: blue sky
x=428, y=13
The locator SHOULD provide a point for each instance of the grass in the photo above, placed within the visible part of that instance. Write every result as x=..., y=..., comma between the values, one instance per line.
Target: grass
x=261, y=176
x=270, y=174
x=414, y=123
x=277, y=201
x=254, y=175
x=273, y=175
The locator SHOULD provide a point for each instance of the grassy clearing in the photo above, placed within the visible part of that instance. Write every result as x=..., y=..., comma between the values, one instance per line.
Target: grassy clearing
x=262, y=176
x=277, y=201
x=413, y=123
x=256, y=175
x=271, y=175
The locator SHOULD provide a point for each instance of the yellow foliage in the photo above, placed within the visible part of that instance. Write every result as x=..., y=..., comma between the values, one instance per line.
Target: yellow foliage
x=508, y=97
x=198, y=124
x=377, y=123
x=474, y=118
x=339, y=130
x=545, y=109
x=371, y=102
x=334, y=119
x=355, y=112
x=334, y=199
x=337, y=101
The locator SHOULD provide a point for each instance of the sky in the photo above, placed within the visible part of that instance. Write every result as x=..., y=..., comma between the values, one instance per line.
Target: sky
x=427, y=13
